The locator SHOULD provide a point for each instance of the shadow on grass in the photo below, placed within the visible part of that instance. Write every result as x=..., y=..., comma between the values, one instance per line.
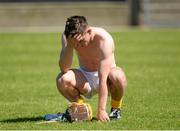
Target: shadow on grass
x=24, y=119
x=30, y=119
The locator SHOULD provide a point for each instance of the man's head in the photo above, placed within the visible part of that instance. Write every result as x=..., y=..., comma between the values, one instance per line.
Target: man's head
x=75, y=25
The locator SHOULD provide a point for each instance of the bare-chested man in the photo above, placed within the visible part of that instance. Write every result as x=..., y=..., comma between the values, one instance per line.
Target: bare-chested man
x=97, y=74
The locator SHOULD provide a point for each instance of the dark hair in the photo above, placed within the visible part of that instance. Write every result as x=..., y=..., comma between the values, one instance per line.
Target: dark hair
x=74, y=25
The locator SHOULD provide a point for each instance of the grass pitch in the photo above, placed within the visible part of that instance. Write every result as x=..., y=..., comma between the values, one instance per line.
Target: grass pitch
x=29, y=66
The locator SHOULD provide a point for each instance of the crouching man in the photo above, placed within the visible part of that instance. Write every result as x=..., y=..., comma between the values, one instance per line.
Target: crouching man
x=97, y=72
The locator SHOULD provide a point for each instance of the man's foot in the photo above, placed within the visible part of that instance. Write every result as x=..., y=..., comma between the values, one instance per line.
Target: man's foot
x=115, y=113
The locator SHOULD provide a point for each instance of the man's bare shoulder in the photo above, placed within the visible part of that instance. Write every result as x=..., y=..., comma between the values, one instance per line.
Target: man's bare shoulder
x=104, y=40
x=102, y=33
x=99, y=30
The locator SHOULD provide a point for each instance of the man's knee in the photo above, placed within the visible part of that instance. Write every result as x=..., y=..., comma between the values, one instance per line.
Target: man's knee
x=117, y=76
x=63, y=79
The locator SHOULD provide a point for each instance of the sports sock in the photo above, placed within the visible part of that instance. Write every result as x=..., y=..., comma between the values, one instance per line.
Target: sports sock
x=80, y=100
x=116, y=104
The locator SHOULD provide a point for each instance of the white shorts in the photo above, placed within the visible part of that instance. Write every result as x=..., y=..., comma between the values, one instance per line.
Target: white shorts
x=93, y=79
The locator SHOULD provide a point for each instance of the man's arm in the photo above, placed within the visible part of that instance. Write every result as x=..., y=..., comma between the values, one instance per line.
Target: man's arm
x=104, y=69
x=66, y=55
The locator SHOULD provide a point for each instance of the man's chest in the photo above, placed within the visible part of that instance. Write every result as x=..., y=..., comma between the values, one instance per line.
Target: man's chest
x=92, y=52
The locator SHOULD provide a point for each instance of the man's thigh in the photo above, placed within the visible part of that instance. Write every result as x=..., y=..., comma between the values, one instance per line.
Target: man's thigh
x=77, y=80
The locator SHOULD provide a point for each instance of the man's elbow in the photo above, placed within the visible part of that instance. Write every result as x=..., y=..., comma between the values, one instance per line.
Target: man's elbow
x=63, y=67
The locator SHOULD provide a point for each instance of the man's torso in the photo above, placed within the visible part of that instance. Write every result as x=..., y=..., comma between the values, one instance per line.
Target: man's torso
x=90, y=56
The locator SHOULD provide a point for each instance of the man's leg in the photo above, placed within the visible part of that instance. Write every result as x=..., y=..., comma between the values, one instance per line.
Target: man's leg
x=116, y=85
x=71, y=84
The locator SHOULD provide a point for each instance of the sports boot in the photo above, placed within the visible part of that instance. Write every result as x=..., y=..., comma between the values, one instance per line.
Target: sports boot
x=115, y=113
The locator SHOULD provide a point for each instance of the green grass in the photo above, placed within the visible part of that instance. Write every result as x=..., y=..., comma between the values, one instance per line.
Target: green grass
x=29, y=66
